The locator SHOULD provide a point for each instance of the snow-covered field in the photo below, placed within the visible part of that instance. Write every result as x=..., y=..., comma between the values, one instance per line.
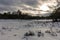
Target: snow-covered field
x=15, y=29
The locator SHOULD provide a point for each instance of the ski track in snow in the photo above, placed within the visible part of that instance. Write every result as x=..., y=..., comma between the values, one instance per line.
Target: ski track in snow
x=15, y=29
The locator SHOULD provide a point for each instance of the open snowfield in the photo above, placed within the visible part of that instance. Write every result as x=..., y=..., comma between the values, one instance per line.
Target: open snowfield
x=15, y=29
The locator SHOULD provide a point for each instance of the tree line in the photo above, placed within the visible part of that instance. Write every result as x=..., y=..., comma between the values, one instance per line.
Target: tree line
x=20, y=15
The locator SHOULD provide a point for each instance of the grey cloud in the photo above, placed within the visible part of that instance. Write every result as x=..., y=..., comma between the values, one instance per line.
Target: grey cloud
x=8, y=3
x=30, y=2
x=7, y=8
x=18, y=2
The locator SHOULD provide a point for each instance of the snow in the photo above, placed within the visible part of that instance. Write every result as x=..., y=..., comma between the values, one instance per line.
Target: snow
x=15, y=29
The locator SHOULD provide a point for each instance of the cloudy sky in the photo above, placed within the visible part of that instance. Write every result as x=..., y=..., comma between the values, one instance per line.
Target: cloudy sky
x=33, y=7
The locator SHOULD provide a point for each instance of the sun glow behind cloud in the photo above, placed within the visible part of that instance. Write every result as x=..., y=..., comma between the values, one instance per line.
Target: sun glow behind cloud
x=43, y=7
